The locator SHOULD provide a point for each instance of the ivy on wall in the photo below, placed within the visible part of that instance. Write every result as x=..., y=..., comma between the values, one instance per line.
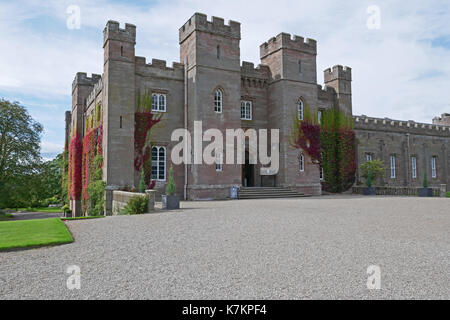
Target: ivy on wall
x=331, y=144
x=144, y=119
x=75, y=167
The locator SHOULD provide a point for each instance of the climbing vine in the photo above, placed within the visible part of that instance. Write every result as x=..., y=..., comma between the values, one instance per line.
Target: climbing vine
x=75, y=167
x=330, y=144
x=144, y=121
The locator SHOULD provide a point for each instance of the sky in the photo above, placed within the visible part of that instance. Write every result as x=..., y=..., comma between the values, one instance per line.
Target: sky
x=399, y=51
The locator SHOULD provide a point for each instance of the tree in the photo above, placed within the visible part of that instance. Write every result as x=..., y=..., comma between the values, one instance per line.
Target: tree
x=371, y=170
x=171, y=188
x=20, y=137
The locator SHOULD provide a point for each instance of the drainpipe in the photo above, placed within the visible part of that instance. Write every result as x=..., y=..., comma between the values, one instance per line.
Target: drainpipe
x=185, y=125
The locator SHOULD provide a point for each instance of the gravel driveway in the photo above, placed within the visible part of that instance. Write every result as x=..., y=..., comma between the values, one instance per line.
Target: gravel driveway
x=308, y=248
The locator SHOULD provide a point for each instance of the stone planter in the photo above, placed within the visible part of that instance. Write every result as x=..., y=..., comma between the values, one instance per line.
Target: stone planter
x=170, y=202
x=369, y=191
x=425, y=192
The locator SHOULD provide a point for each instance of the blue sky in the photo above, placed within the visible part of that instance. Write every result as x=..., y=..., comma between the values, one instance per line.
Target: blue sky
x=401, y=70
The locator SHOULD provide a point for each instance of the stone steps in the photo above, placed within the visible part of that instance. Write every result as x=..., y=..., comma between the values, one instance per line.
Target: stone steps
x=268, y=192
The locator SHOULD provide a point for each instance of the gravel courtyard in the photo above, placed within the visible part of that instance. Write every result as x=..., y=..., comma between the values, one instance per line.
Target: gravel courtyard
x=307, y=248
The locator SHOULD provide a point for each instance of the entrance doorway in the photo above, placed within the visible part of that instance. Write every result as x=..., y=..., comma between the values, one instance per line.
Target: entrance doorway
x=248, y=178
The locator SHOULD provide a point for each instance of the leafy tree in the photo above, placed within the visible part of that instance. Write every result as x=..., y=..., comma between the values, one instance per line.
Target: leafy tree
x=96, y=190
x=371, y=170
x=20, y=137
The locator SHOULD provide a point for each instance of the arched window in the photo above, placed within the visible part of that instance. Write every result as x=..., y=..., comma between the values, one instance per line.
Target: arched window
x=159, y=163
x=218, y=101
x=302, y=162
x=300, y=109
x=159, y=102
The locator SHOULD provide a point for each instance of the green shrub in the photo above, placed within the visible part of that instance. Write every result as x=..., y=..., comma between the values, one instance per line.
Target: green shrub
x=447, y=194
x=96, y=190
x=171, y=187
x=371, y=170
x=136, y=205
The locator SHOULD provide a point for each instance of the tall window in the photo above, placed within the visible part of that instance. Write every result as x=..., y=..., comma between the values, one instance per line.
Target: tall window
x=302, y=162
x=321, y=174
x=159, y=102
x=320, y=116
x=368, y=157
x=218, y=101
x=414, y=167
x=218, y=52
x=299, y=66
x=433, y=167
x=393, y=173
x=159, y=163
x=300, y=110
x=219, y=162
x=246, y=110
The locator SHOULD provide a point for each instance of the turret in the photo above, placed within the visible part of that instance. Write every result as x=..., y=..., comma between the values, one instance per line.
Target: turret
x=340, y=79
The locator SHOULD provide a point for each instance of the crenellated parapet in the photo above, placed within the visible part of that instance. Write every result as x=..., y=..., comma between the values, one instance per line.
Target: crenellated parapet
x=199, y=22
x=81, y=78
x=326, y=94
x=113, y=31
x=96, y=90
x=159, y=68
x=248, y=70
x=285, y=41
x=389, y=125
x=338, y=73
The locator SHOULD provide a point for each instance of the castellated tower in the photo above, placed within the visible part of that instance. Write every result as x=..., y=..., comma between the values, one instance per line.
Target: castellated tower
x=211, y=55
x=340, y=79
x=119, y=104
x=292, y=63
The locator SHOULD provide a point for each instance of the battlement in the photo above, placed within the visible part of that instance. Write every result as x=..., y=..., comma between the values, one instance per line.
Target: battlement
x=326, y=93
x=81, y=78
x=98, y=87
x=248, y=70
x=285, y=41
x=389, y=125
x=338, y=73
x=444, y=119
x=199, y=22
x=159, y=68
x=113, y=31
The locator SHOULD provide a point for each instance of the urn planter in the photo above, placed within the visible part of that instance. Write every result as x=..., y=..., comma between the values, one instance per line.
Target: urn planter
x=425, y=192
x=369, y=191
x=171, y=202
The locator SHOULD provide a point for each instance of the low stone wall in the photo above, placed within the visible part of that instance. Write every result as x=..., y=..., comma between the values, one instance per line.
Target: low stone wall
x=121, y=198
x=397, y=191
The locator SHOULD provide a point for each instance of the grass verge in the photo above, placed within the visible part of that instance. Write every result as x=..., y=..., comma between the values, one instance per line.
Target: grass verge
x=32, y=233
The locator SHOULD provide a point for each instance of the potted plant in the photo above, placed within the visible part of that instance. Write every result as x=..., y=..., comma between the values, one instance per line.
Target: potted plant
x=371, y=170
x=425, y=191
x=170, y=200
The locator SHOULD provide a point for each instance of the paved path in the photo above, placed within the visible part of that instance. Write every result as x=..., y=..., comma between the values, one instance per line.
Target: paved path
x=304, y=248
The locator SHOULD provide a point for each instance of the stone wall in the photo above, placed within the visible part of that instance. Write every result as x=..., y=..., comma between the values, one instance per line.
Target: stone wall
x=121, y=198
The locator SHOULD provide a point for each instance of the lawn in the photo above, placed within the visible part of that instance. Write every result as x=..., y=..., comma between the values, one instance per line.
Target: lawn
x=30, y=233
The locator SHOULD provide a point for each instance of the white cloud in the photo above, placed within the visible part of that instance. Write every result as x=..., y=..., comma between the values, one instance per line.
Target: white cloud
x=396, y=71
